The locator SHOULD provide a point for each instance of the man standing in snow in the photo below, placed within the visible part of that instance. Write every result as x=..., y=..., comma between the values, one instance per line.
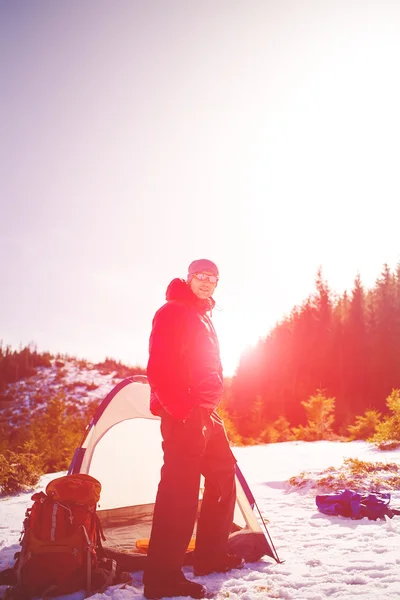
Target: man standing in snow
x=185, y=376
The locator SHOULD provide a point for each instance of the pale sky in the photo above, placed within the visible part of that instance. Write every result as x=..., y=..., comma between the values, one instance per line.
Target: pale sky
x=139, y=136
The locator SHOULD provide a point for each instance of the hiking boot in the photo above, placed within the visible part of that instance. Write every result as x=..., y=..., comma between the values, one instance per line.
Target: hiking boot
x=220, y=565
x=169, y=589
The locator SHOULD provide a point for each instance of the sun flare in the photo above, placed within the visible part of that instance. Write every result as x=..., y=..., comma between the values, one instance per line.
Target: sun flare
x=237, y=331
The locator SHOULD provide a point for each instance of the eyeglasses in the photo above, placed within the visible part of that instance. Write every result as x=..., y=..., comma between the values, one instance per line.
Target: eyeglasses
x=204, y=277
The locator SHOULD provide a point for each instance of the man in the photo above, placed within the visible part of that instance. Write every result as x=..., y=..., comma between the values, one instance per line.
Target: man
x=185, y=376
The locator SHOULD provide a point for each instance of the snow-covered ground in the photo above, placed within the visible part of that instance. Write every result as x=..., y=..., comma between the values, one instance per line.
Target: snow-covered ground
x=79, y=382
x=324, y=557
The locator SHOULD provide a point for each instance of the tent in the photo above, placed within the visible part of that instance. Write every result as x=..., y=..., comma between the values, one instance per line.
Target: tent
x=121, y=448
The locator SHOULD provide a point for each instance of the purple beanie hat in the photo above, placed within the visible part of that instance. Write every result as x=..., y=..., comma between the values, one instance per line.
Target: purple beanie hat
x=201, y=265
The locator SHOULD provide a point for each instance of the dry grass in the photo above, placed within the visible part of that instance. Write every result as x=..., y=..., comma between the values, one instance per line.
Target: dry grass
x=354, y=474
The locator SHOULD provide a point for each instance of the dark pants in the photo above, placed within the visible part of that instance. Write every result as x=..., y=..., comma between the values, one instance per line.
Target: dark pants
x=198, y=446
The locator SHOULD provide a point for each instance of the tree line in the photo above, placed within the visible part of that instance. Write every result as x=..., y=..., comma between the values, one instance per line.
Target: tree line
x=20, y=364
x=329, y=370
x=16, y=365
x=344, y=346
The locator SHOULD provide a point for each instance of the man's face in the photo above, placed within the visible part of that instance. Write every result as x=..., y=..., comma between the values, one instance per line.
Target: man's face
x=201, y=285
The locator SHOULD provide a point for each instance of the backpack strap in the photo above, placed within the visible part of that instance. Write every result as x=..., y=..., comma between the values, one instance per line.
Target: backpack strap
x=110, y=566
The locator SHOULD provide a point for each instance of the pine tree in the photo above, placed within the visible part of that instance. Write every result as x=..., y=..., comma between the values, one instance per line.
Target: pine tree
x=388, y=430
x=320, y=418
x=365, y=425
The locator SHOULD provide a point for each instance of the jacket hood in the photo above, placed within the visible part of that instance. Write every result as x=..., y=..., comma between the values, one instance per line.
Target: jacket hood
x=178, y=289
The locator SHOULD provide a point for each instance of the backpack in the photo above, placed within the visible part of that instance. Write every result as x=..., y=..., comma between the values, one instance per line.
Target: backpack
x=61, y=550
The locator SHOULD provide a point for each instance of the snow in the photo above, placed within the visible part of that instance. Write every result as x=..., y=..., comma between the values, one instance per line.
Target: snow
x=81, y=384
x=324, y=557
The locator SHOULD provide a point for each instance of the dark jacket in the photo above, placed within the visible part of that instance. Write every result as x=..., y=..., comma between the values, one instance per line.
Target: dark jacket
x=184, y=368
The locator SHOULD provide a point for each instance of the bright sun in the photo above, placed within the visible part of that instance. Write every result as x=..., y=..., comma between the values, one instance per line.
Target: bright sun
x=238, y=331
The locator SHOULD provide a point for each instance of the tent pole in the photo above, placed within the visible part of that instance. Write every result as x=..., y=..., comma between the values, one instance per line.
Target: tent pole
x=279, y=561
x=253, y=504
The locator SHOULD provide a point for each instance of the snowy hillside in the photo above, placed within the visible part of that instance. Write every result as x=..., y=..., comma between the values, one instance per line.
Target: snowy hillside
x=81, y=382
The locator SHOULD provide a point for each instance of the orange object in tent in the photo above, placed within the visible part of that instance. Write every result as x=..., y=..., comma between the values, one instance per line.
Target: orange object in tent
x=143, y=545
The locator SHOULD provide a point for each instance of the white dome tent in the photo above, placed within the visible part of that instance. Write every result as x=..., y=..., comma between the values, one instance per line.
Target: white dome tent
x=122, y=449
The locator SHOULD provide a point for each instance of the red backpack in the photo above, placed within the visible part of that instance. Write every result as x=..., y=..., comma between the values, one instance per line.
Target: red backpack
x=61, y=539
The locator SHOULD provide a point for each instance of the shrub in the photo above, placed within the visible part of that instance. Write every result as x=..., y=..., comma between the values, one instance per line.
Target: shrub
x=364, y=426
x=319, y=410
x=91, y=386
x=388, y=431
x=278, y=431
x=54, y=433
x=358, y=475
x=18, y=471
x=233, y=436
x=109, y=365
